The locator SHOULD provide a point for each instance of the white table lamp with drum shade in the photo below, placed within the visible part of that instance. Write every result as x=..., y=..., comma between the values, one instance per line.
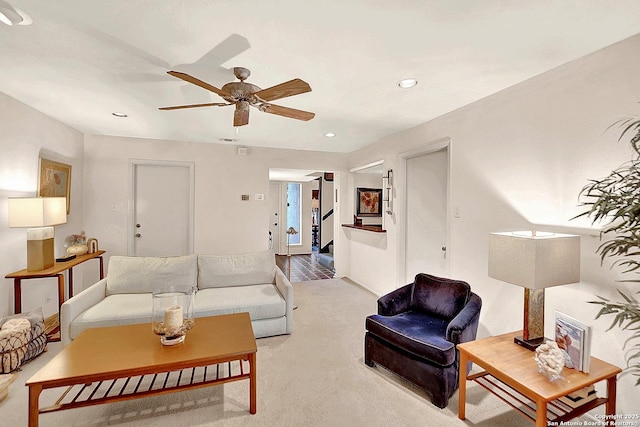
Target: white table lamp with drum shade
x=38, y=215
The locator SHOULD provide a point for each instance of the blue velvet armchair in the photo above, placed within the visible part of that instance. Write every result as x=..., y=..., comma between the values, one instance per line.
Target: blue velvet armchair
x=416, y=331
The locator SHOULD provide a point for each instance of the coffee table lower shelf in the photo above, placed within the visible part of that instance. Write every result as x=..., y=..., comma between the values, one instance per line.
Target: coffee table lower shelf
x=119, y=389
x=556, y=410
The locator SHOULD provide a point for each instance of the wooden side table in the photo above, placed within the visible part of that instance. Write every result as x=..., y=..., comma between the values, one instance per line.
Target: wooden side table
x=511, y=374
x=56, y=271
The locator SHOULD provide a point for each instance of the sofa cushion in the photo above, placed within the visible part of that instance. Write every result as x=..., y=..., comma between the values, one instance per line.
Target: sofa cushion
x=216, y=271
x=138, y=275
x=260, y=301
x=114, y=310
x=439, y=296
x=416, y=332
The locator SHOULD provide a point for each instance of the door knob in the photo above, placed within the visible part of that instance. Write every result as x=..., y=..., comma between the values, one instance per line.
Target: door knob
x=138, y=235
x=275, y=223
x=137, y=225
x=444, y=249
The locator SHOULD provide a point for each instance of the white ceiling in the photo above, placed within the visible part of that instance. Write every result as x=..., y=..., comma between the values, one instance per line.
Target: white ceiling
x=81, y=60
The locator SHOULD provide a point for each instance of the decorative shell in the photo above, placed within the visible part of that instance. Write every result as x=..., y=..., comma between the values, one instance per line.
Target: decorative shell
x=550, y=360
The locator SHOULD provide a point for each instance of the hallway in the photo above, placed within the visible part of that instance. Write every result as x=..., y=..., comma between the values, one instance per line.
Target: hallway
x=303, y=268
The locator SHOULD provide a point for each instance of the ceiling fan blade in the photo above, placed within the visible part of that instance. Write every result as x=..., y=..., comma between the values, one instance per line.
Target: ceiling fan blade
x=211, y=104
x=288, y=112
x=198, y=82
x=241, y=114
x=290, y=88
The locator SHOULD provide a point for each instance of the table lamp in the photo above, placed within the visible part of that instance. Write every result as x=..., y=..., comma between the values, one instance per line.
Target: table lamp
x=534, y=261
x=39, y=214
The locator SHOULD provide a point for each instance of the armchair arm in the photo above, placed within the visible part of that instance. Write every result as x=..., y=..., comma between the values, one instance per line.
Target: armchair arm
x=395, y=301
x=464, y=326
x=286, y=290
x=78, y=304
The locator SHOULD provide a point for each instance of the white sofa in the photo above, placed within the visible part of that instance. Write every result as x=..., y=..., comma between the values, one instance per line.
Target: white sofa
x=224, y=284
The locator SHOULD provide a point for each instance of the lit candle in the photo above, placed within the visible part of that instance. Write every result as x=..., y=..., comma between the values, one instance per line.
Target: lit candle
x=173, y=317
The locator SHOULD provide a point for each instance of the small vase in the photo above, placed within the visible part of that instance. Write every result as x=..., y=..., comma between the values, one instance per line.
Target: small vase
x=77, y=249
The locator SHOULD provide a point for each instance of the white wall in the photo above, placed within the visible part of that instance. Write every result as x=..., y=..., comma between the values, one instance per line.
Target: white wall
x=223, y=222
x=519, y=160
x=27, y=134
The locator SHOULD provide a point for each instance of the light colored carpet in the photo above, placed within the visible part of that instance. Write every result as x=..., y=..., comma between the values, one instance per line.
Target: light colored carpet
x=313, y=377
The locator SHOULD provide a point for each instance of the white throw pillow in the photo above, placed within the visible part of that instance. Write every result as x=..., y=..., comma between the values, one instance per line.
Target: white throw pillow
x=139, y=275
x=216, y=271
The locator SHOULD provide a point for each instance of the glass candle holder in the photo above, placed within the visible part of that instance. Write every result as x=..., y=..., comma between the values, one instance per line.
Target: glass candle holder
x=173, y=314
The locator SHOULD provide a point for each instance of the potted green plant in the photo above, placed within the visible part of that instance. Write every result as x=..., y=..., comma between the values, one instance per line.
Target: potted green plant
x=615, y=201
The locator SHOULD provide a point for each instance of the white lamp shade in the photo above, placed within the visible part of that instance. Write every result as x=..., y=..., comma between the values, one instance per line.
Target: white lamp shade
x=37, y=211
x=534, y=261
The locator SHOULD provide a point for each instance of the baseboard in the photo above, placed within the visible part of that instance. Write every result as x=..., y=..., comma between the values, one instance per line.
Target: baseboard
x=362, y=285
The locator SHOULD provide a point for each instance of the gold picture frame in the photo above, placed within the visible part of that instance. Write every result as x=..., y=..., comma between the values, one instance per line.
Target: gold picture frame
x=54, y=180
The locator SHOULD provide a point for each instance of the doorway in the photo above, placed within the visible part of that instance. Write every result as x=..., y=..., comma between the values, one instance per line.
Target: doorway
x=427, y=227
x=162, y=204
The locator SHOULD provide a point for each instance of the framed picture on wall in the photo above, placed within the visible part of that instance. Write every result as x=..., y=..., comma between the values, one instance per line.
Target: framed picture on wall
x=368, y=202
x=54, y=180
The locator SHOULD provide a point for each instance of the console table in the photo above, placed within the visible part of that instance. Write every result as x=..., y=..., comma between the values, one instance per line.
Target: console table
x=511, y=374
x=56, y=271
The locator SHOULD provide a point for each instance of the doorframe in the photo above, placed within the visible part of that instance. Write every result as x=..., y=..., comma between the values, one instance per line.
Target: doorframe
x=431, y=147
x=277, y=239
x=133, y=164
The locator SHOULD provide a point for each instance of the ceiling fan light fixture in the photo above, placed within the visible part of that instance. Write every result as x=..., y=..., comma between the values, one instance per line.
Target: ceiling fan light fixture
x=244, y=95
x=329, y=134
x=407, y=83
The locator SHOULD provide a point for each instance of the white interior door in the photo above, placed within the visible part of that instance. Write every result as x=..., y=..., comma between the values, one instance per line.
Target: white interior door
x=274, y=215
x=161, y=218
x=426, y=232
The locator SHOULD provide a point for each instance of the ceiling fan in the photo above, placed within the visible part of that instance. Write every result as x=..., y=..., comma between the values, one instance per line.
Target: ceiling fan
x=244, y=95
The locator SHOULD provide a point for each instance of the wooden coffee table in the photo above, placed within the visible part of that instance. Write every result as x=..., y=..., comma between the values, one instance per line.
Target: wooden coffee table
x=117, y=363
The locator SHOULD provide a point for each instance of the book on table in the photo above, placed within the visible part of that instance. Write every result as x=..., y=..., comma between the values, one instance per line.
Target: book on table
x=574, y=339
x=580, y=397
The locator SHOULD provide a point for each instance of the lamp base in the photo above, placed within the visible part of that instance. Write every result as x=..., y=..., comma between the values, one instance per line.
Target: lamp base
x=531, y=344
x=40, y=248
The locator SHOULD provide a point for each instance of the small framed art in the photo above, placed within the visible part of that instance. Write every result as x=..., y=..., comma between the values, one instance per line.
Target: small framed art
x=368, y=202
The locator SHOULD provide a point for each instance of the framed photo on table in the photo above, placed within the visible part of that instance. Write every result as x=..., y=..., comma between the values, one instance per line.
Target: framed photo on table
x=54, y=180
x=369, y=201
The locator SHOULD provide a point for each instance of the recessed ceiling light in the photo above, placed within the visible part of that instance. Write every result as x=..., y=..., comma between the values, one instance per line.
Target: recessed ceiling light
x=407, y=83
x=329, y=134
x=118, y=114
